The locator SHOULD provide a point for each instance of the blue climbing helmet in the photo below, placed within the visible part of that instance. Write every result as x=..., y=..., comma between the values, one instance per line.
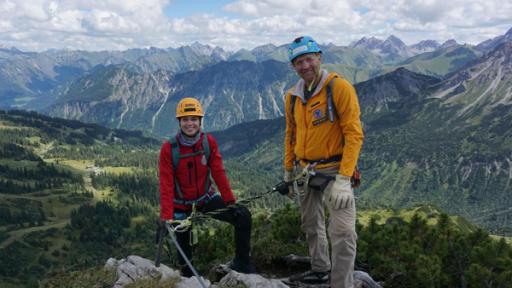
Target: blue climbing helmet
x=302, y=45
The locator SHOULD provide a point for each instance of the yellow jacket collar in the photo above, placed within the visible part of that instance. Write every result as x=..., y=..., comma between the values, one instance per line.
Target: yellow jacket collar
x=298, y=89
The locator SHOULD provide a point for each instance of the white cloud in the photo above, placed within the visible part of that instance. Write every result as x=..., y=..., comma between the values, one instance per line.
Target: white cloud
x=244, y=7
x=108, y=21
x=113, y=24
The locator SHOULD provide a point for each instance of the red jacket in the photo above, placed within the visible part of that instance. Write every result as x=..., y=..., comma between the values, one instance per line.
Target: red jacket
x=191, y=177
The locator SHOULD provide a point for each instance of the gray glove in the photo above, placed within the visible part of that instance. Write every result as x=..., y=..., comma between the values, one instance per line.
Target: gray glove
x=288, y=177
x=341, y=195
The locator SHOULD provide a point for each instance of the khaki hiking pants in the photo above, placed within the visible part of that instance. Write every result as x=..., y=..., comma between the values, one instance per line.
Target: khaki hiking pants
x=341, y=228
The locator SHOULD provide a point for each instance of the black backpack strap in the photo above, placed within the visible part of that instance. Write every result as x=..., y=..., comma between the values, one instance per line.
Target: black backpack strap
x=331, y=109
x=175, y=153
x=293, y=99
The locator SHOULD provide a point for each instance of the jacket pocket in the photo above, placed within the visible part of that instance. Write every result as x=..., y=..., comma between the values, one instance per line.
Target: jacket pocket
x=317, y=112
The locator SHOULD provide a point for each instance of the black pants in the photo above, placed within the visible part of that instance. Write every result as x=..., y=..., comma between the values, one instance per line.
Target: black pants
x=238, y=216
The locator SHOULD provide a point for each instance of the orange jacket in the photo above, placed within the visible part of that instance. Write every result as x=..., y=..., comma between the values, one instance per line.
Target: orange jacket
x=310, y=135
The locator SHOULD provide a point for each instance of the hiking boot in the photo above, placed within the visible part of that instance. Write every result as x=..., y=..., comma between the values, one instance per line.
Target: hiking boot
x=311, y=277
x=186, y=271
x=245, y=267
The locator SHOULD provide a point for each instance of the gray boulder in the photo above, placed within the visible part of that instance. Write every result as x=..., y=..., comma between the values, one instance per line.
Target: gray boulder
x=364, y=280
x=135, y=267
x=192, y=282
x=234, y=278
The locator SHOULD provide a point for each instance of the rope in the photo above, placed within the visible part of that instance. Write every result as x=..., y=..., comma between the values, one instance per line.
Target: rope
x=183, y=225
x=173, y=240
x=240, y=203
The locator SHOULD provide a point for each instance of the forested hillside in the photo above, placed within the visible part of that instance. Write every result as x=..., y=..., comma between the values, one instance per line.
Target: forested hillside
x=79, y=194
x=47, y=188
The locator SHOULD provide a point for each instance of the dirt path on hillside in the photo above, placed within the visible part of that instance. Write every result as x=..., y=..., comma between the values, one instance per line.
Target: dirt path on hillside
x=18, y=234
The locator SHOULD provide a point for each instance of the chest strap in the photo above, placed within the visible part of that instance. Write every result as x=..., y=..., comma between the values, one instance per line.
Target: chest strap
x=203, y=198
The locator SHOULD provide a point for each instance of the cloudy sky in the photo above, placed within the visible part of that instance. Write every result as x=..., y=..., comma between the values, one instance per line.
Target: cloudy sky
x=37, y=25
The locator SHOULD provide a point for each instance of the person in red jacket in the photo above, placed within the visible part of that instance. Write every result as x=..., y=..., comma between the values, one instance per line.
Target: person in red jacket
x=189, y=183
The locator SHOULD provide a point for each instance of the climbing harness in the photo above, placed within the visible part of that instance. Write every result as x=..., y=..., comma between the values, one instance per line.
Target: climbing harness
x=183, y=225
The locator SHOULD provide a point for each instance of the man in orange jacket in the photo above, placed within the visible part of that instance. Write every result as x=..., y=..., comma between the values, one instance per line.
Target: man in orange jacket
x=323, y=132
x=188, y=183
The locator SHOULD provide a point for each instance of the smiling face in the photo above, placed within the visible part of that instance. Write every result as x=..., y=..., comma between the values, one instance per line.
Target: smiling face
x=307, y=66
x=190, y=125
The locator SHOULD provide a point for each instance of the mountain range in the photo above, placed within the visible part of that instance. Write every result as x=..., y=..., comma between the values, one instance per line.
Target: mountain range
x=44, y=81
x=118, y=97
x=27, y=76
x=127, y=96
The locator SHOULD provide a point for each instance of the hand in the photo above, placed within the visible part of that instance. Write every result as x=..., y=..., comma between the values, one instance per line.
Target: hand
x=282, y=188
x=164, y=223
x=340, y=195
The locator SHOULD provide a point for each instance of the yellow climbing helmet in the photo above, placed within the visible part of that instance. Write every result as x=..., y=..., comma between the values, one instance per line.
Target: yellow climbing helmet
x=189, y=107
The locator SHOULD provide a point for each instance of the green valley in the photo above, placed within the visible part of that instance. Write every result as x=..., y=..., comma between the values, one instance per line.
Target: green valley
x=96, y=196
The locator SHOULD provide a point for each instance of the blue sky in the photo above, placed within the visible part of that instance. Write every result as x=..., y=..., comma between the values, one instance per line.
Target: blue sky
x=184, y=8
x=233, y=24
